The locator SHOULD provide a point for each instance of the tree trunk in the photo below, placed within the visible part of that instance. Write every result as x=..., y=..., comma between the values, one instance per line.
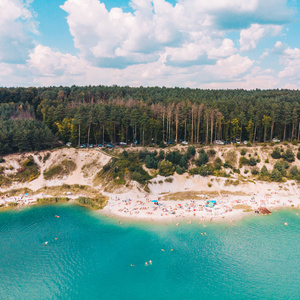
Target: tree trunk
x=192, y=137
x=79, y=135
x=272, y=129
x=293, y=128
x=89, y=130
x=185, y=129
x=211, y=127
x=284, y=132
x=254, y=133
x=206, y=140
x=103, y=135
x=163, y=126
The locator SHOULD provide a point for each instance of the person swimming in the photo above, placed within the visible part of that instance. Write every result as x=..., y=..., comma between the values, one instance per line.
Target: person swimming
x=46, y=243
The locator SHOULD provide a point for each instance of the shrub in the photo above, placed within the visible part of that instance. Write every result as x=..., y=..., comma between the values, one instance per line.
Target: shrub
x=162, y=145
x=280, y=167
x=227, y=165
x=295, y=143
x=203, y=158
x=209, y=184
x=236, y=171
x=285, y=143
x=246, y=171
x=231, y=157
x=288, y=155
x=151, y=162
x=243, y=152
x=252, y=161
x=258, y=160
x=179, y=170
x=276, y=153
x=166, y=168
x=249, y=144
x=211, y=152
x=264, y=173
x=169, y=179
x=276, y=175
x=294, y=172
x=255, y=171
x=2, y=160
x=243, y=161
x=161, y=155
x=298, y=155
x=267, y=161
x=191, y=151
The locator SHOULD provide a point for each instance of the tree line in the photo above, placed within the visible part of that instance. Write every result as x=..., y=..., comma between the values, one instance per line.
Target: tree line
x=98, y=114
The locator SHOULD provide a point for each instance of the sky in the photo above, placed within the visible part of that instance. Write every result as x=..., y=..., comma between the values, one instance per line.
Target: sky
x=210, y=44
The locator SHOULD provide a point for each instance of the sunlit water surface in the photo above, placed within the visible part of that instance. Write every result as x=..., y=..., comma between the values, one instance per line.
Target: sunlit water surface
x=258, y=257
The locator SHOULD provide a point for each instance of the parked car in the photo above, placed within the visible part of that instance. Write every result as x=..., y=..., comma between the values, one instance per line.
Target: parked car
x=68, y=144
x=91, y=146
x=83, y=146
x=219, y=142
x=238, y=141
x=276, y=140
x=110, y=146
x=100, y=145
x=185, y=143
x=123, y=143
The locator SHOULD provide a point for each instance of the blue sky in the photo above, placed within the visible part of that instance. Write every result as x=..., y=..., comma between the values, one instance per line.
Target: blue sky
x=187, y=43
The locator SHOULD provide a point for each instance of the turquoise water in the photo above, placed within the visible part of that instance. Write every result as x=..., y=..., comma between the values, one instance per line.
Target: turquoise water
x=258, y=257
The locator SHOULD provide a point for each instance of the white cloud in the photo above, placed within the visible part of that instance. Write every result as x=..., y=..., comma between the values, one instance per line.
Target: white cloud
x=290, y=59
x=15, y=22
x=250, y=37
x=190, y=31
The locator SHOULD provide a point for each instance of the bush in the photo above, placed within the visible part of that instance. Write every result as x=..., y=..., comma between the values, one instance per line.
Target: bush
x=243, y=161
x=166, y=168
x=203, y=159
x=298, y=155
x=211, y=152
x=252, y=162
x=276, y=153
x=280, y=167
x=267, y=161
x=2, y=160
x=151, y=162
x=203, y=171
x=249, y=144
x=162, y=145
x=288, y=155
x=179, y=170
x=276, y=175
x=169, y=180
x=255, y=171
x=285, y=143
x=294, y=172
x=191, y=151
x=295, y=142
x=161, y=155
x=246, y=171
x=243, y=152
x=227, y=165
x=264, y=173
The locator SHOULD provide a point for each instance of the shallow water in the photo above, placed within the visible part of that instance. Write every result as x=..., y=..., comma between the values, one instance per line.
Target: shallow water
x=256, y=258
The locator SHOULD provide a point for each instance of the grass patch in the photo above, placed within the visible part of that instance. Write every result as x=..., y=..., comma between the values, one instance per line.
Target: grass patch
x=28, y=171
x=16, y=192
x=75, y=189
x=52, y=200
x=98, y=202
x=190, y=195
x=65, y=168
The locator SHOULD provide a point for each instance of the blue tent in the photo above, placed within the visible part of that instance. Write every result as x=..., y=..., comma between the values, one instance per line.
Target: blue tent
x=154, y=201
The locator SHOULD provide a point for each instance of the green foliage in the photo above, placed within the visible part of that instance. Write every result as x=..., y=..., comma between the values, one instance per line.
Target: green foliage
x=211, y=152
x=267, y=161
x=252, y=162
x=227, y=165
x=179, y=170
x=151, y=162
x=169, y=179
x=162, y=145
x=295, y=142
x=243, y=161
x=203, y=158
x=65, y=168
x=264, y=173
x=52, y=200
x=191, y=151
x=203, y=171
x=166, y=168
x=285, y=143
x=276, y=153
x=2, y=160
x=255, y=171
x=98, y=202
x=298, y=155
x=288, y=155
x=28, y=172
x=281, y=167
x=294, y=172
x=246, y=171
x=243, y=152
x=276, y=175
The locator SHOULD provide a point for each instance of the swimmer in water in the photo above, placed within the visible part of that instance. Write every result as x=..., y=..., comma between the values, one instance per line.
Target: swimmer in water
x=162, y=249
x=132, y=265
x=46, y=243
x=146, y=264
x=150, y=262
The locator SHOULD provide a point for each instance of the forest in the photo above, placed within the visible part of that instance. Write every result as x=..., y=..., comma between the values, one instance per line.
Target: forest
x=40, y=118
